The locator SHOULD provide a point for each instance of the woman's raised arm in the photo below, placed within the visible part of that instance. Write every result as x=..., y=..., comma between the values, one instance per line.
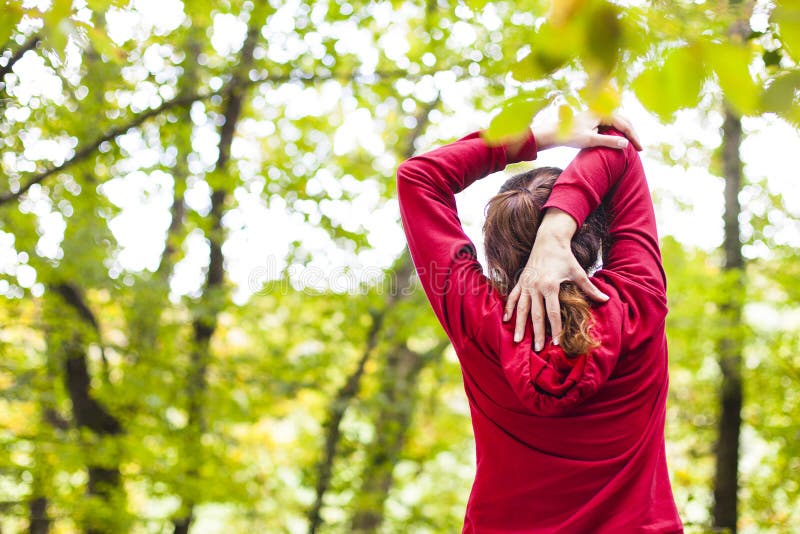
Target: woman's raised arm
x=443, y=255
x=633, y=255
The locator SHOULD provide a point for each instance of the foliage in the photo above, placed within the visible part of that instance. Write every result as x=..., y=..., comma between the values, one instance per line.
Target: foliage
x=669, y=53
x=207, y=400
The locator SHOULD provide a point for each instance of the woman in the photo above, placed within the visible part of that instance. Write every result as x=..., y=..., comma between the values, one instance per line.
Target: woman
x=569, y=436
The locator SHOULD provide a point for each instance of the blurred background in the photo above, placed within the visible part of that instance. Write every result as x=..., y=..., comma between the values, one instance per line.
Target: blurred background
x=208, y=319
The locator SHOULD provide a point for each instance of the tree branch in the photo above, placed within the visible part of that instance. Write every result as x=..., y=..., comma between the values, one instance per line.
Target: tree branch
x=30, y=44
x=293, y=76
x=87, y=150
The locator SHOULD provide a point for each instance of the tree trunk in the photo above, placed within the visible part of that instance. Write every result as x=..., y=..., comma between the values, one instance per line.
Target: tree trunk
x=39, y=523
x=350, y=390
x=397, y=396
x=38, y=520
x=87, y=412
x=402, y=273
x=204, y=323
x=726, y=481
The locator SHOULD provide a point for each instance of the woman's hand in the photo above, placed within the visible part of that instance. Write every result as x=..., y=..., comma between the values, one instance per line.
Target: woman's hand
x=583, y=133
x=551, y=262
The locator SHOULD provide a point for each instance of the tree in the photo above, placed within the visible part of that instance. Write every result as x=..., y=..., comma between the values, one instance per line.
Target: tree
x=280, y=399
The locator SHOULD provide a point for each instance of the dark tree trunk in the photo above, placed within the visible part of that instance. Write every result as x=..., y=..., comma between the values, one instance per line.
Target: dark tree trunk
x=181, y=171
x=87, y=412
x=726, y=481
x=204, y=323
x=392, y=422
x=38, y=523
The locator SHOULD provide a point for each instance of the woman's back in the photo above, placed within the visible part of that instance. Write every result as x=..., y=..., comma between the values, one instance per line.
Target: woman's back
x=563, y=444
x=555, y=463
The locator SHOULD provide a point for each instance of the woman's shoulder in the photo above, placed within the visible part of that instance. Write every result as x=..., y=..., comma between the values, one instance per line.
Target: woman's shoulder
x=638, y=313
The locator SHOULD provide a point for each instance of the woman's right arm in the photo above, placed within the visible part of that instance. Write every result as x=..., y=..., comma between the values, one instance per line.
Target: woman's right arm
x=633, y=261
x=598, y=173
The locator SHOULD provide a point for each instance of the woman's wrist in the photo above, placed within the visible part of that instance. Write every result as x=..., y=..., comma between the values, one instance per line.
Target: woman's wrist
x=557, y=225
x=545, y=136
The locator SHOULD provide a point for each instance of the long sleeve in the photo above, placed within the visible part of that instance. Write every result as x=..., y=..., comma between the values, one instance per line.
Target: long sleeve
x=632, y=259
x=443, y=255
x=596, y=173
x=548, y=383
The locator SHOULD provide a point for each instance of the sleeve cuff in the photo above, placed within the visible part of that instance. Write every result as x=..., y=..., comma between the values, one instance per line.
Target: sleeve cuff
x=528, y=151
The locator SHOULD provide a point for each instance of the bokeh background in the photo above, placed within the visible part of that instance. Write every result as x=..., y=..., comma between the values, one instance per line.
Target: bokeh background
x=208, y=319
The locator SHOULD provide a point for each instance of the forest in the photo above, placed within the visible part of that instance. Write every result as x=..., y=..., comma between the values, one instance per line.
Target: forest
x=210, y=322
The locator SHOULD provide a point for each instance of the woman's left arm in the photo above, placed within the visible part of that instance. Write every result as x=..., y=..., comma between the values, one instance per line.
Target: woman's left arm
x=443, y=255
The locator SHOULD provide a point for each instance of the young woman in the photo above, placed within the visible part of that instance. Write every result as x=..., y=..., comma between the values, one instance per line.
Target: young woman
x=570, y=432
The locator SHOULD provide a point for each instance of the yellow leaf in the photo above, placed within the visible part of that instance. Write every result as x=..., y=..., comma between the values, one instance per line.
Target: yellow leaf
x=565, y=118
x=603, y=100
x=515, y=117
x=561, y=11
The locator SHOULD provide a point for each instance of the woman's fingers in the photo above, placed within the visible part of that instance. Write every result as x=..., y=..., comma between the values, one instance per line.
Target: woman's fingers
x=537, y=322
x=513, y=297
x=583, y=132
x=591, y=291
x=624, y=125
x=610, y=141
x=523, y=306
x=553, y=307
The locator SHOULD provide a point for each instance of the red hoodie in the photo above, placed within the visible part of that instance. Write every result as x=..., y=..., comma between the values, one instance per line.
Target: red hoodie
x=563, y=445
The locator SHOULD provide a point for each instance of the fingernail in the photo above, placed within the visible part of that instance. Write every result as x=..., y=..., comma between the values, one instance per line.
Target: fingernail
x=537, y=347
x=517, y=337
x=605, y=297
x=622, y=143
x=555, y=341
x=505, y=316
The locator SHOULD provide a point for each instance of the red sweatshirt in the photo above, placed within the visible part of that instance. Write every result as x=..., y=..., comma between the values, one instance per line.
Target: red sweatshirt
x=563, y=445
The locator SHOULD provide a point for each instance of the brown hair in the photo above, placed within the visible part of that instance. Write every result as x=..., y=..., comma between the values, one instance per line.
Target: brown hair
x=512, y=220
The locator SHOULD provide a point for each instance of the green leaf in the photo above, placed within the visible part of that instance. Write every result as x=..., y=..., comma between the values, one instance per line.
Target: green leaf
x=551, y=49
x=515, y=116
x=58, y=25
x=674, y=85
x=526, y=69
x=730, y=63
x=779, y=96
x=606, y=31
x=8, y=22
x=787, y=17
